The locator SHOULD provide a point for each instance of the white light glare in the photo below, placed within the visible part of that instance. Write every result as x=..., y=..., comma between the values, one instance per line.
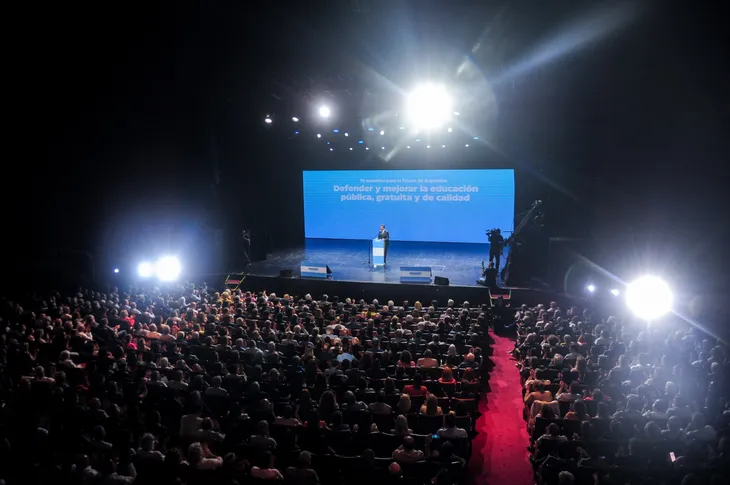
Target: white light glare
x=591, y=288
x=295, y=119
x=116, y=270
x=268, y=120
x=145, y=269
x=649, y=297
x=168, y=268
x=324, y=112
x=429, y=106
x=615, y=292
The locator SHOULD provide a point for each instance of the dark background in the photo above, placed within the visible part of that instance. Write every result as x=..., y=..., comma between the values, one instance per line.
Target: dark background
x=139, y=127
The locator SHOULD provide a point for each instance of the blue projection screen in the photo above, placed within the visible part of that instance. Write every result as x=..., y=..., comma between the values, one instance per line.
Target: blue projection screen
x=415, y=205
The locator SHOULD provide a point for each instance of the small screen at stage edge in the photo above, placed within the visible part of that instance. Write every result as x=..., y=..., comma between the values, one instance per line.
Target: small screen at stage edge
x=415, y=205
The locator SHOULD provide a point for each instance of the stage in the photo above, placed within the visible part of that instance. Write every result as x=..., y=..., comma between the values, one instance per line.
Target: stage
x=348, y=260
x=352, y=277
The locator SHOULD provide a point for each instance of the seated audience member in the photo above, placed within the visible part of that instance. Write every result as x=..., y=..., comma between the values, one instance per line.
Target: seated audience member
x=380, y=406
x=264, y=469
x=578, y=412
x=552, y=433
x=416, y=389
x=431, y=407
x=200, y=457
x=573, y=395
x=404, y=404
x=447, y=376
x=427, y=360
x=401, y=426
x=539, y=394
x=261, y=440
x=302, y=473
x=407, y=452
x=450, y=430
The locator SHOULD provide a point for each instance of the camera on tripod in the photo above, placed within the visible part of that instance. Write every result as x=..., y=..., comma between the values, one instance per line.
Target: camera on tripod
x=492, y=231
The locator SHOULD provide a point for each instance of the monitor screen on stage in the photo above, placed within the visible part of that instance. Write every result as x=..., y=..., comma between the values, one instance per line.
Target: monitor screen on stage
x=415, y=205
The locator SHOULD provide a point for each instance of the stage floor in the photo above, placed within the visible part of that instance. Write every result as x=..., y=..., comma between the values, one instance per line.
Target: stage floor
x=348, y=260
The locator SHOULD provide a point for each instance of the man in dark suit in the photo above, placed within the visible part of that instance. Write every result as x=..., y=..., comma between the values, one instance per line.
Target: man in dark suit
x=384, y=234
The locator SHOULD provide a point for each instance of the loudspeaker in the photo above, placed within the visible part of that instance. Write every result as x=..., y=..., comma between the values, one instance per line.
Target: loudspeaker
x=286, y=273
x=441, y=281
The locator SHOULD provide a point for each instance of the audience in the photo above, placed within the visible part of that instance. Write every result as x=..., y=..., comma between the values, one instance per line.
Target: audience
x=185, y=384
x=619, y=401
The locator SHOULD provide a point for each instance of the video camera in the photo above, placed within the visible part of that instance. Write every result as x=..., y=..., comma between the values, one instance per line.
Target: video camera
x=491, y=231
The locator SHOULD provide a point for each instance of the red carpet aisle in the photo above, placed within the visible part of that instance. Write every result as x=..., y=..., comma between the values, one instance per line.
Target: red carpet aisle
x=500, y=455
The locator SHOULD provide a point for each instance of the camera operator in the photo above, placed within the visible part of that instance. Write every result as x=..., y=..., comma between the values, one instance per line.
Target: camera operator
x=496, y=243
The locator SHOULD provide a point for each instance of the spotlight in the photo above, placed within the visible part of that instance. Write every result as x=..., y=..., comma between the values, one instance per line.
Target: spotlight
x=649, y=297
x=324, y=112
x=116, y=270
x=429, y=106
x=382, y=132
x=295, y=119
x=467, y=145
x=408, y=146
x=443, y=146
x=449, y=130
x=591, y=288
x=615, y=292
x=168, y=268
x=268, y=120
x=347, y=134
x=319, y=135
x=145, y=269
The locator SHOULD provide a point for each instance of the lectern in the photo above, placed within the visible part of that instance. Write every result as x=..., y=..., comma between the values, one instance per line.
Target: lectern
x=378, y=253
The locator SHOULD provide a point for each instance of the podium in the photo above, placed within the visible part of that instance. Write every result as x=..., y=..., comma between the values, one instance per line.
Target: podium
x=377, y=248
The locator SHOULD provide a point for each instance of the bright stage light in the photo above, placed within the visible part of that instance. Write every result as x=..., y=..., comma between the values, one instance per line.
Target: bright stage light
x=319, y=135
x=324, y=112
x=295, y=119
x=649, y=297
x=429, y=106
x=591, y=288
x=615, y=292
x=168, y=268
x=145, y=270
x=116, y=270
x=268, y=121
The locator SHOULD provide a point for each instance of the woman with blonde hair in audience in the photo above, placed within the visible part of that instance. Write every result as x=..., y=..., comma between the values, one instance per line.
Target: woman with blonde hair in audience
x=401, y=426
x=404, y=404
